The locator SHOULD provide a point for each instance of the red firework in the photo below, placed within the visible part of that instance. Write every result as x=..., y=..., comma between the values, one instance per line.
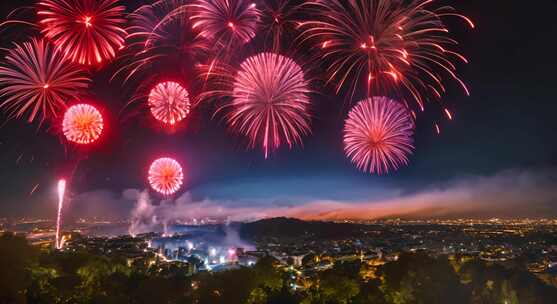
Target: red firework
x=270, y=101
x=166, y=176
x=88, y=31
x=226, y=23
x=169, y=102
x=82, y=124
x=378, y=135
x=37, y=80
x=397, y=46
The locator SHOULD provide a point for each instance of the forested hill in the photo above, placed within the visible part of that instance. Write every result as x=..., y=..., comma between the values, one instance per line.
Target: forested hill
x=288, y=227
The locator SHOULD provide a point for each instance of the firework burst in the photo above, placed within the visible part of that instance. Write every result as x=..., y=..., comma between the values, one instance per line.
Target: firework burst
x=82, y=124
x=378, y=135
x=88, y=31
x=169, y=102
x=159, y=31
x=226, y=23
x=280, y=20
x=37, y=80
x=166, y=176
x=270, y=102
x=396, y=46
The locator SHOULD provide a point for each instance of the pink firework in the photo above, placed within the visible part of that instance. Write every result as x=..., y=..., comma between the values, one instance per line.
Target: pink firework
x=270, y=102
x=378, y=135
x=169, y=102
x=88, y=31
x=82, y=124
x=37, y=80
x=166, y=176
x=397, y=47
x=226, y=23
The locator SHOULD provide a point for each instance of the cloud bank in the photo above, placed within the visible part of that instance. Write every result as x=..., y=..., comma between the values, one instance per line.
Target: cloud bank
x=512, y=193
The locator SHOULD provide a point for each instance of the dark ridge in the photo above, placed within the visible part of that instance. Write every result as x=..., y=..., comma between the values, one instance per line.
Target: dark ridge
x=289, y=227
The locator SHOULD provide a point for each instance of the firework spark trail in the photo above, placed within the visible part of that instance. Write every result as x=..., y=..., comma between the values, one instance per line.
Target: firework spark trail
x=378, y=135
x=19, y=158
x=169, y=102
x=82, y=124
x=88, y=31
x=165, y=176
x=61, y=193
x=34, y=189
x=270, y=102
x=37, y=80
x=398, y=47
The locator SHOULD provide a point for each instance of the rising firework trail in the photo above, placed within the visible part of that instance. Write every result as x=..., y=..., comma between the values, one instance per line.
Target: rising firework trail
x=61, y=194
x=400, y=48
x=270, y=102
x=82, y=124
x=37, y=80
x=87, y=31
x=169, y=102
x=378, y=135
x=165, y=176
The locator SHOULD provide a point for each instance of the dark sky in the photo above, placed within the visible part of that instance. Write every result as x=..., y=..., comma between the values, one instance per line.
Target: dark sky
x=507, y=125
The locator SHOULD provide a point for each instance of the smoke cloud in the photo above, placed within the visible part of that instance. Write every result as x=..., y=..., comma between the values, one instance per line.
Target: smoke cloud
x=513, y=193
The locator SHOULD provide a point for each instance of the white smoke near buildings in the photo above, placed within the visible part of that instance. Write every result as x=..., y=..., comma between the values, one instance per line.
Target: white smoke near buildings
x=150, y=216
x=147, y=217
x=143, y=216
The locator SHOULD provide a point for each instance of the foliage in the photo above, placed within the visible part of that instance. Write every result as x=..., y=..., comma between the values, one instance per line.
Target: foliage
x=16, y=260
x=33, y=276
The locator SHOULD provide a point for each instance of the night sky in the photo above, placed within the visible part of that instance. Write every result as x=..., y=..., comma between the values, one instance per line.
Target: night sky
x=502, y=141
